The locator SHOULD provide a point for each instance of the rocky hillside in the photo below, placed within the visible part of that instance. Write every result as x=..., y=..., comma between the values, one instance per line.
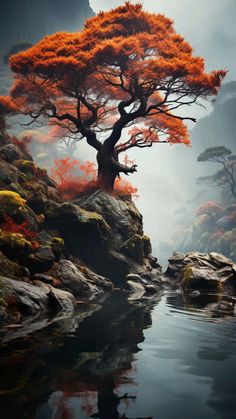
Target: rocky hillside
x=53, y=253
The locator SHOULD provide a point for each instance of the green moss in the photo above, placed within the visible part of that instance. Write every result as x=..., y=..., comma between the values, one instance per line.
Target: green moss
x=147, y=245
x=1, y=293
x=14, y=241
x=134, y=248
x=57, y=244
x=10, y=202
x=187, y=275
x=88, y=216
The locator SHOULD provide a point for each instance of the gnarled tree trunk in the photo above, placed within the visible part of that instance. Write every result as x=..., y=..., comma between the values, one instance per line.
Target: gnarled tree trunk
x=109, y=168
x=107, y=172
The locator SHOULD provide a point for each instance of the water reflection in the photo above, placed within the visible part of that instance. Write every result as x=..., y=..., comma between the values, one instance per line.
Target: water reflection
x=121, y=359
x=82, y=365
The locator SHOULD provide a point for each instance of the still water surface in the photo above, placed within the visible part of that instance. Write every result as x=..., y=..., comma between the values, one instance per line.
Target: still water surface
x=170, y=356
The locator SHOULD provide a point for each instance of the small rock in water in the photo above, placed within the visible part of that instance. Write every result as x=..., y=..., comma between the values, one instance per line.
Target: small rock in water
x=150, y=288
x=133, y=277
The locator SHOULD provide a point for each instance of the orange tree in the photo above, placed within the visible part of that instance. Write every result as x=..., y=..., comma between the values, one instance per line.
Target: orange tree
x=117, y=84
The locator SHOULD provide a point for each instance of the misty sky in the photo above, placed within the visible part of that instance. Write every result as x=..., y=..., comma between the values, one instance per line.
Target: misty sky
x=166, y=176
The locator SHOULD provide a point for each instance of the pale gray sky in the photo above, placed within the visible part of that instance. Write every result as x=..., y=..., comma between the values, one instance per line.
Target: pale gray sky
x=166, y=175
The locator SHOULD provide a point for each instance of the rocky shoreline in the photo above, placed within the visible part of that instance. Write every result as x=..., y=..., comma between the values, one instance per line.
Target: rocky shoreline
x=56, y=254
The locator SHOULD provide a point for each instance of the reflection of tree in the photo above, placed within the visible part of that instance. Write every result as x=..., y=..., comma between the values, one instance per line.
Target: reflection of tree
x=88, y=367
x=108, y=401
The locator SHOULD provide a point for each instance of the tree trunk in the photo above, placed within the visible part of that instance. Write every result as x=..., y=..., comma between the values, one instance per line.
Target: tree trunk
x=106, y=179
x=109, y=167
x=107, y=173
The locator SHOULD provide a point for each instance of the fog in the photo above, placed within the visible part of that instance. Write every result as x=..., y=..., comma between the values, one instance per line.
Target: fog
x=166, y=177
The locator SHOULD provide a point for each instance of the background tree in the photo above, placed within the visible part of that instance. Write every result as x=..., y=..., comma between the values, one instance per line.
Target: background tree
x=118, y=84
x=226, y=176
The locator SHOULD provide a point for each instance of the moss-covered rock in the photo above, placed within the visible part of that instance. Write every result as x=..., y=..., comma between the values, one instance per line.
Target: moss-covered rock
x=147, y=246
x=137, y=247
x=12, y=269
x=86, y=233
x=8, y=174
x=134, y=248
x=11, y=152
x=204, y=271
x=27, y=167
x=57, y=246
x=119, y=213
x=203, y=278
x=15, y=245
x=11, y=202
x=41, y=260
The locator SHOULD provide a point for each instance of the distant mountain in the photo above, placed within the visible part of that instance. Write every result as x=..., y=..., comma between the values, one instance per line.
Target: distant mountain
x=30, y=20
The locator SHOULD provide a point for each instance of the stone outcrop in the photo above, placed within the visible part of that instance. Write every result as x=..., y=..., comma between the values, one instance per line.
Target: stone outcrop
x=26, y=298
x=204, y=271
x=82, y=247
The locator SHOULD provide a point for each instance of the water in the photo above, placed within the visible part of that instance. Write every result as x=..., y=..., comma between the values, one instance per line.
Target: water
x=170, y=355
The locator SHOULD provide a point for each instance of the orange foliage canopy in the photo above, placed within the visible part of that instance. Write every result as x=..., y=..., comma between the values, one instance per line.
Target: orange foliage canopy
x=127, y=69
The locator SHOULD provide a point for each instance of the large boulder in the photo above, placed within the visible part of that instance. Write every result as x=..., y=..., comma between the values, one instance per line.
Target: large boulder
x=41, y=260
x=12, y=269
x=119, y=212
x=129, y=251
x=23, y=297
x=87, y=235
x=8, y=174
x=201, y=270
x=26, y=299
x=80, y=281
x=137, y=247
x=11, y=152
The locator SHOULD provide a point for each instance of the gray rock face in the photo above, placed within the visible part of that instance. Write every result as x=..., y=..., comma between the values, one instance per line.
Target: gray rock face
x=201, y=270
x=11, y=152
x=71, y=278
x=133, y=277
x=8, y=173
x=119, y=213
x=81, y=284
x=30, y=299
x=139, y=285
x=135, y=287
x=82, y=229
x=12, y=269
x=42, y=260
x=104, y=231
